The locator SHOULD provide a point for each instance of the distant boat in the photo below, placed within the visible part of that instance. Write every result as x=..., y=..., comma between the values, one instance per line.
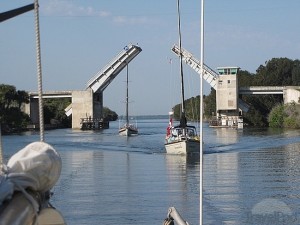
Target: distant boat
x=128, y=129
x=182, y=138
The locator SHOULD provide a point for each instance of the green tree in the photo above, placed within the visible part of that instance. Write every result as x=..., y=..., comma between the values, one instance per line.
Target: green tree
x=22, y=97
x=109, y=114
x=245, y=78
x=296, y=73
x=291, y=115
x=11, y=115
x=210, y=104
x=276, y=116
x=192, y=110
x=276, y=72
x=7, y=95
x=285, y=116
x=54, y=112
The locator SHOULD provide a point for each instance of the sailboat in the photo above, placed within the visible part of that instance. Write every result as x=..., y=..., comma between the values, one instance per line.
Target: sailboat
x=128, y=128
x=173, y=215
x=182, y=138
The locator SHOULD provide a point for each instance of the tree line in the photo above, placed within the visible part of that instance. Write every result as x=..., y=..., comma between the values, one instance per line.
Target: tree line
x=11, y=116
x=14, y=119
x=265, y=110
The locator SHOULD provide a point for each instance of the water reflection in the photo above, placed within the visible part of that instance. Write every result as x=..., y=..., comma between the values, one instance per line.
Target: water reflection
x=112, y=179
x=227, y=136
x=235, y=182
x=183, y=184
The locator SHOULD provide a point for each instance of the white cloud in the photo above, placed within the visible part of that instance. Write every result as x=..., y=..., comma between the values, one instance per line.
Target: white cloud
x=130, y=20
x=67, y=8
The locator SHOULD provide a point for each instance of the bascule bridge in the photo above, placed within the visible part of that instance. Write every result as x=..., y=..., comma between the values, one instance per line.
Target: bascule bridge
x=87, y=105
x=229, y=107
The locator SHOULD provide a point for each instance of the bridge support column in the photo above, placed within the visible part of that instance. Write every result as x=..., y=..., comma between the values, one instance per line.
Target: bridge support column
x=291, y=94
x=82, y=106
x=32, y=109
x=98, y=105
x=86, y=104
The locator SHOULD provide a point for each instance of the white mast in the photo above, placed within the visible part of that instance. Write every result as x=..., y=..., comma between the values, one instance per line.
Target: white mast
x=201, y=115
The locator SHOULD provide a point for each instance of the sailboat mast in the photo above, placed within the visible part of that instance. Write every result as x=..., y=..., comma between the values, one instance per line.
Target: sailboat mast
x=182, y=119
x=201, y=115
x=127, y=119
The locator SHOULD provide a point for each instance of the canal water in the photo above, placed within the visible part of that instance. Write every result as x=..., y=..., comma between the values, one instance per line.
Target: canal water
x=251, y=176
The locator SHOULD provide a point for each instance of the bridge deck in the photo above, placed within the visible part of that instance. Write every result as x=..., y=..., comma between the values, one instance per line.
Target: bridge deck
x=51, y=94
x=261, y=90
x=105, y=76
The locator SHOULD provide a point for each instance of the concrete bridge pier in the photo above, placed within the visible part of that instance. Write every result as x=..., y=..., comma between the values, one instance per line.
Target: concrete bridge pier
x=86, y=104
x=291, y=94
x=32, y=109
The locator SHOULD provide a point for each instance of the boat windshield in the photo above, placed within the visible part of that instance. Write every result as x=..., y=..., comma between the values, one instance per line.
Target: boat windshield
x=189, y=131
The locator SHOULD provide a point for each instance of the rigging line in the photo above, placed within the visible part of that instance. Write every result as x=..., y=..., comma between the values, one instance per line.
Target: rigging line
x=181, y=69
x=191, y=97
x=171, y=85
x=39, y=69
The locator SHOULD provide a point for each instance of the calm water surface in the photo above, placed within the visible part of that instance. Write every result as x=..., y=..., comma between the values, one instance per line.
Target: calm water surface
x=251, y=176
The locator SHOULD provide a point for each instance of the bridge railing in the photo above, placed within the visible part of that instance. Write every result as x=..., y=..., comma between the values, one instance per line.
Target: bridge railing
x=209, y=74
x=261, y=90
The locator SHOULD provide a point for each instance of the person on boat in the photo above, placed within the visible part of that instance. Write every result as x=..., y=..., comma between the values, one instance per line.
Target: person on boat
x=168, y=131
x=169, y=128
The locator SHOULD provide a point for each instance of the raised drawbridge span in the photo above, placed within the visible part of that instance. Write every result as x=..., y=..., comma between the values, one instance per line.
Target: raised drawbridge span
x=229, y=107
x=88, y=103
x=209, y=74
x=103, y=78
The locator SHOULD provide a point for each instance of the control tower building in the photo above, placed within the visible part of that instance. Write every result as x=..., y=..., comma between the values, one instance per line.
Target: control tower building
x=227, y=99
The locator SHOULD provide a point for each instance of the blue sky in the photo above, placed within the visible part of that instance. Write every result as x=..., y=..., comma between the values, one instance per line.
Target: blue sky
x=79, y=37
